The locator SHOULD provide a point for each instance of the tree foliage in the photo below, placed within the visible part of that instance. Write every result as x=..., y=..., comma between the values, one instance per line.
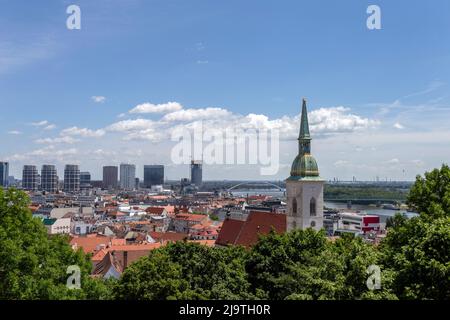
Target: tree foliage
x=33, y=265
x=430, y=194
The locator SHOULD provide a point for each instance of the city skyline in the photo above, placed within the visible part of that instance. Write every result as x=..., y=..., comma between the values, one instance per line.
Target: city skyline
x=378, y=99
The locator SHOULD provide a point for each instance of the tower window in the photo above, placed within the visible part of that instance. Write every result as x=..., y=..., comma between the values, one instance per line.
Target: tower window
x=294, y=207
x=312, y=207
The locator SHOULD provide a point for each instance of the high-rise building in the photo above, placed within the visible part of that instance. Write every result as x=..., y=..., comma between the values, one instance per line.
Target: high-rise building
x=30, y=178
x=153, y=175
x=4, y=174
x=127, y=176
x=137, y=183
x=304, y=187
x=49, y=178
x=196, y=173
x=85, y=180
x=71, y=178
x=110, y=177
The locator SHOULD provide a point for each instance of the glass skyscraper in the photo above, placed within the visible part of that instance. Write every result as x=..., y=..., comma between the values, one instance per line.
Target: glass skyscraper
x=153, y=175
x=4, y=174
x=196, y=172
x=110, y=177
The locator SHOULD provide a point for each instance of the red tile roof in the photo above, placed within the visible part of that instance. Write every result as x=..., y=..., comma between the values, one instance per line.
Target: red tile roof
x=90, y=243
x=191, y=217
x=155, y=210
x=246, y=233
x=168, y=236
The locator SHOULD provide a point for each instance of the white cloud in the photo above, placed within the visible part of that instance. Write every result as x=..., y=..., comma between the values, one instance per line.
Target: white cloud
x=131, y=125
x=40, y=123
x=398, y=125
x=45, y=154
x=322, y=121
x=98, y=99
x=338, y=119
x=82, y=132
x=65, y=139
x=50, y=127
x=14, y=132
x=197, y=114
x=156, y=108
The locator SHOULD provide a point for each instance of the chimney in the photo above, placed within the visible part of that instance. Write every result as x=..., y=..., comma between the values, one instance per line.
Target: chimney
x=125, y=259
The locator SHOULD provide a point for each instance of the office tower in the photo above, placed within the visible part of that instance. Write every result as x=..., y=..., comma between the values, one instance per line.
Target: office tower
x=4, y=174
x=49, y=178
x=136, y=183
x=127, y=176
x=71, y=178
x=110, y=177
x=196, y=172
x=30, y=178
x=153, y=175
x=85, y=180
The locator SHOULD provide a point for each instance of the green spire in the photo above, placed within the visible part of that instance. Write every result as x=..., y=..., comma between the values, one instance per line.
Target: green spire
x=304, y=126
x=304, y=139
x=304, y=165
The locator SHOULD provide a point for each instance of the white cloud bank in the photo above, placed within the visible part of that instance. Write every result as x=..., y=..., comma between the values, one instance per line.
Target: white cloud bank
x=156, y=108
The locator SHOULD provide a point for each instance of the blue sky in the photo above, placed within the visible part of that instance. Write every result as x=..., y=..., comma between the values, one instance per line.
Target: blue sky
x=246, y=57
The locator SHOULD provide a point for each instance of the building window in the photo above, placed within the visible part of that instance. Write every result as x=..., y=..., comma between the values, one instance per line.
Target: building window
x=312, y=207
x=313, y=224
x=294, y=207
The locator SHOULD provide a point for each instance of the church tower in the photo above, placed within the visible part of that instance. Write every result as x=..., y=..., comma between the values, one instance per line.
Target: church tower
x=304, y=187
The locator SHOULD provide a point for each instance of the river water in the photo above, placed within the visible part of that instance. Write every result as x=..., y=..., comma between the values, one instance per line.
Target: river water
x=384, y=214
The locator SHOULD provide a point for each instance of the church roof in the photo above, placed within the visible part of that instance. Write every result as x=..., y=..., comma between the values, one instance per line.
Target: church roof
x=246, y=233
x=304, y=164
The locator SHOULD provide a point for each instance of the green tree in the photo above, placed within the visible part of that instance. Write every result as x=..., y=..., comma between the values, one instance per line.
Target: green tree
x=33, y=265
x=185, y=270
x=431, y=191
x=417, y=250
x=303, y=264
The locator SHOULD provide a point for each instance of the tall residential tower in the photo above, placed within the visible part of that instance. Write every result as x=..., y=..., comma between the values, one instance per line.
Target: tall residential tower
x=49, y=178
x=30, y=178
x=71, y=178
x=127, y=176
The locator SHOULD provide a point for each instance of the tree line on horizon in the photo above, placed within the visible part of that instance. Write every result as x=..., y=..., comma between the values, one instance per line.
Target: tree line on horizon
x=414, y=259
